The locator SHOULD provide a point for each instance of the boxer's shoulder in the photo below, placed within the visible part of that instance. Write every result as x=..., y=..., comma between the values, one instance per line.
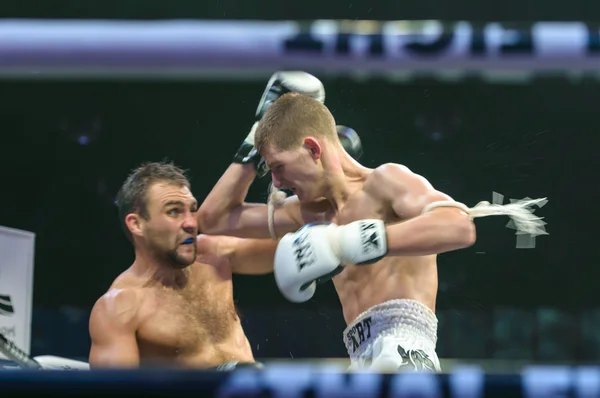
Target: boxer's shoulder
x=378, y=181
x=119, y=305
x=389, y=178
x=389, y=170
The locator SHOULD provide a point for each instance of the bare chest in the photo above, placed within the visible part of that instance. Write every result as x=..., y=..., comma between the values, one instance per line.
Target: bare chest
x=186, y=322
x=360, y=206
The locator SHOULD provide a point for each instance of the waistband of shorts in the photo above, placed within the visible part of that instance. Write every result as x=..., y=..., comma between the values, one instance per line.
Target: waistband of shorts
x=394, y=315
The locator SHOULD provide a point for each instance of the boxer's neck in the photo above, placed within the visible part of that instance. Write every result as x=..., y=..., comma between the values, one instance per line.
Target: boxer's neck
x=152, y=269
x=344, y=176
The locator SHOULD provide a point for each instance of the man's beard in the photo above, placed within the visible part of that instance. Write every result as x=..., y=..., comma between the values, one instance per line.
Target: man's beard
x=175, y=260
x=179, y=261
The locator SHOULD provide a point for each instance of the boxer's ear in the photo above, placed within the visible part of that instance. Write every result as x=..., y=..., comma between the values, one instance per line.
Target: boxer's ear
x=134, y=224
x=313, y=147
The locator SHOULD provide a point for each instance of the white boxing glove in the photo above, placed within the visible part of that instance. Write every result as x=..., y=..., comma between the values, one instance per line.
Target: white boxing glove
x=290, y=82
x=318, y=252
x=279, y=84
x=361, y=242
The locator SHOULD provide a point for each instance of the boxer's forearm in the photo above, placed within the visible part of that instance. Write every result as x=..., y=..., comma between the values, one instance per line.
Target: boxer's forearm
x=227, y=195
x=433, y=233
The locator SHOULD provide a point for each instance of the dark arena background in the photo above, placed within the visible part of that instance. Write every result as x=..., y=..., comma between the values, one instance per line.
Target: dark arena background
x=478, y=98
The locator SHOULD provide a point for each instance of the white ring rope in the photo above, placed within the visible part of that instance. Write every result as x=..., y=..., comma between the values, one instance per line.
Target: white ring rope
x=183, y=46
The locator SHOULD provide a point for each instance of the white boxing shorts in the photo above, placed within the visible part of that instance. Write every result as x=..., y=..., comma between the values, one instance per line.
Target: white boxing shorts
x=395, y=336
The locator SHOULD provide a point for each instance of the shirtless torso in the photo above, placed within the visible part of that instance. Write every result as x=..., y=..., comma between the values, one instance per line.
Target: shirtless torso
x=361, y=287
x=187, y=321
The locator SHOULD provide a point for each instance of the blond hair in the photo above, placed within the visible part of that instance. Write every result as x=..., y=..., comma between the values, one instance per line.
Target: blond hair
x=290, y=119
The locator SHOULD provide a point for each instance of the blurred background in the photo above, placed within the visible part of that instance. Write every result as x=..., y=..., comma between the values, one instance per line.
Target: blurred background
x=68, y=144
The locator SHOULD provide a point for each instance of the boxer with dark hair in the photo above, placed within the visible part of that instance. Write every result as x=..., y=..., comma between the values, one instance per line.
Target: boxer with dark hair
x=174, y=305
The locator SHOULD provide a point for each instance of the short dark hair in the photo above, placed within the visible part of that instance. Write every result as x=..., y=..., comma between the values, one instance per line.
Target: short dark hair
x=133, y=195
x=290, y=119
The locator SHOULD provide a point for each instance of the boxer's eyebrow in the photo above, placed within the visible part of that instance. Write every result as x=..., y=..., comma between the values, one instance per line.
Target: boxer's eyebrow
x=174, y=203
x=193, y=203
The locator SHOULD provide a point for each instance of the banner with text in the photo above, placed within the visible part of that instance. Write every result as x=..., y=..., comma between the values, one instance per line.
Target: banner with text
x=16, y=285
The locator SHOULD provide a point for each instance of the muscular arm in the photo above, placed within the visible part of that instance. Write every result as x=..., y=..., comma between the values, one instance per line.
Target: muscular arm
x=316, y=252
x=246, y=256
x=224, y=211
x=113, y=331
x=440, y=230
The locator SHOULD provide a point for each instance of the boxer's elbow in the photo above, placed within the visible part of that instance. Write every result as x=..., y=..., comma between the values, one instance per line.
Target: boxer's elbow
x=210, y=221
x=455, y=228
x=207, y=222
x=466, y=233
